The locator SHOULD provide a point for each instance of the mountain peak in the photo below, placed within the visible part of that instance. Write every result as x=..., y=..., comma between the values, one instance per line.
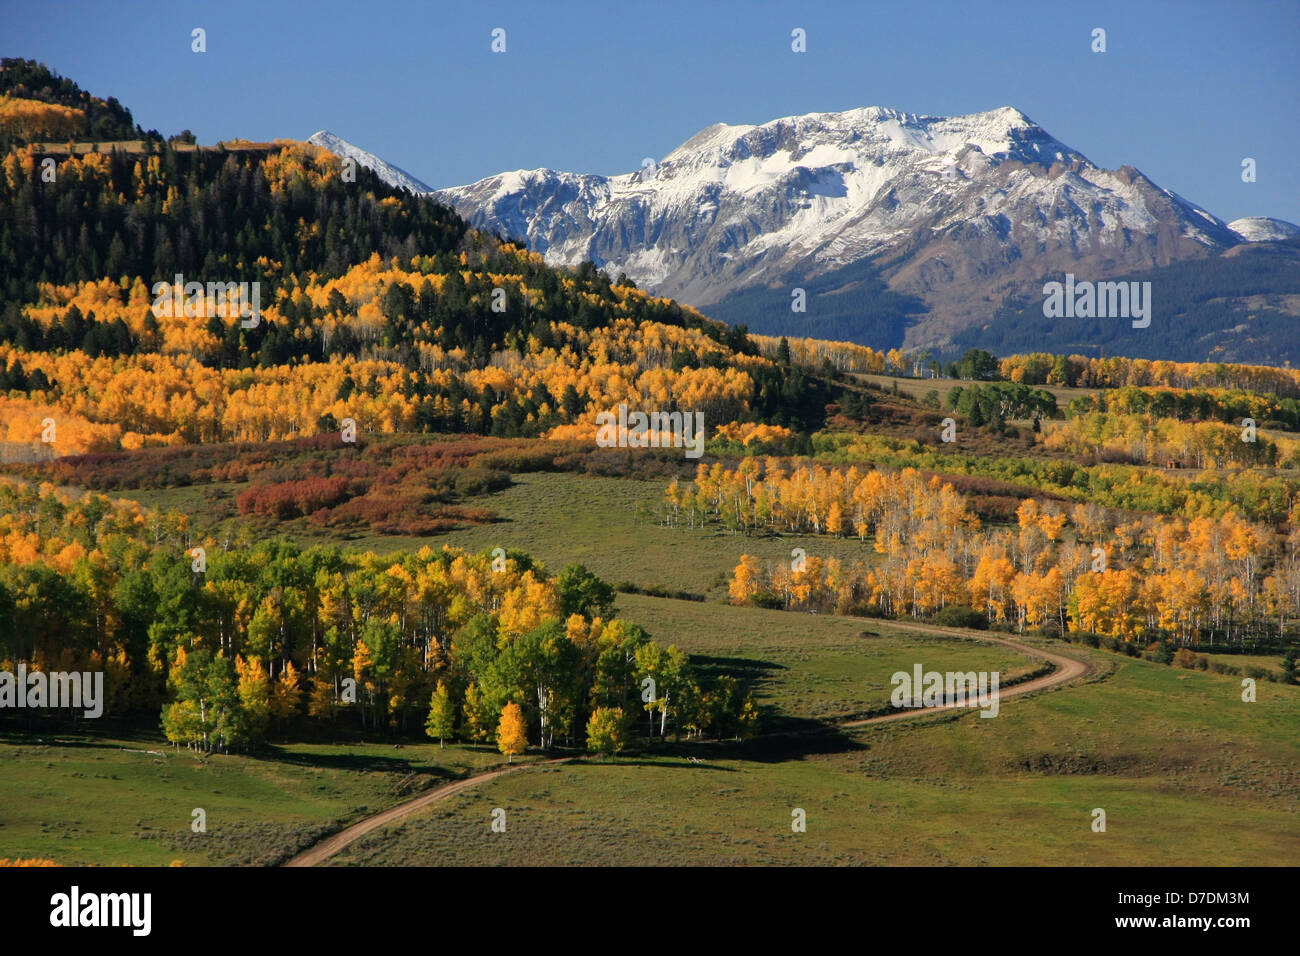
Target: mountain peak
x=392, y=175
x=878, y=135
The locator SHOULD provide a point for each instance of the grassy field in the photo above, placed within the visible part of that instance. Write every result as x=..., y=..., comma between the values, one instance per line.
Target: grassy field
x=809, y=667
x=917, y=388
x=107, y=801
x=561, y=518
x=1269, y=662
x=207, y=505
x=1186, y=772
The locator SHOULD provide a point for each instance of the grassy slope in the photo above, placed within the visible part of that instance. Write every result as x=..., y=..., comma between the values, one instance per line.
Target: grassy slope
x=805, y=666
x=1270, y=662
x=89, y=799
x=917, y=388
x=1187, y=773
x=563, y=517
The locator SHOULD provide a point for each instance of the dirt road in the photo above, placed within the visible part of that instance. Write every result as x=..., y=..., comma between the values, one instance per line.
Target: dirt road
x=1067, y=669
x=332, y=844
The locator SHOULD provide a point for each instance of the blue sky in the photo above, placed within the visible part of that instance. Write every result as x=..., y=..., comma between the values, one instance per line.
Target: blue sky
x=1183, y=92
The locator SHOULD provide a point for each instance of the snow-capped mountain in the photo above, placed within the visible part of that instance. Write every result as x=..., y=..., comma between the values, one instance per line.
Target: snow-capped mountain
x=389, y=173
x=1263, y=229
x=962, y=212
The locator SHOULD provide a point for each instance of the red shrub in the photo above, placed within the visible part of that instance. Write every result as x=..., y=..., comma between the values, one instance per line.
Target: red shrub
x=290, y=499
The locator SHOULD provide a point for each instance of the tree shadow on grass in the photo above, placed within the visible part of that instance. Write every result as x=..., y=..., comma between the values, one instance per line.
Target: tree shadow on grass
x=126, y=736
x=747, y=670
x=795, y=741
x=635, y=761
x=358, y=762
x=90, y=734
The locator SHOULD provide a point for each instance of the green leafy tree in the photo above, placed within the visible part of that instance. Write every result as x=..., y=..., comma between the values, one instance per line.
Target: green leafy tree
x=442, y=714
x=571, y=402
x=204, y=713
x=615, y=678
x=480, y=716
x=581, y=592
x=671, y=673
x=607, y=731
x=254, y=697
x=543, y=666
x=978, y=365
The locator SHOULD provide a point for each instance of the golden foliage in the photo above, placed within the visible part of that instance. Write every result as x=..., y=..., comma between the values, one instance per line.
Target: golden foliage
x=34, y=119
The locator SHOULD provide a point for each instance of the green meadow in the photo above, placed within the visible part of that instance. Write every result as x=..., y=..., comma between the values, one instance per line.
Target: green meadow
x=1186, y=773
x=130, y=799
x=608, y=524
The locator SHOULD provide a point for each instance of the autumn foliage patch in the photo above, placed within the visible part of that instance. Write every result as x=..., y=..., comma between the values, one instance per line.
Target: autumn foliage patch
x=294, y=499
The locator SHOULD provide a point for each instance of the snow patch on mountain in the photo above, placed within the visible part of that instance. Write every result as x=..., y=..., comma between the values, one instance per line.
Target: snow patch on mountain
x=390, y=174
x=1263, y=229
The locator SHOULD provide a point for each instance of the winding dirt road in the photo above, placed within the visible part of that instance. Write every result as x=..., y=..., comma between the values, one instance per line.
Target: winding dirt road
x=1066, y=669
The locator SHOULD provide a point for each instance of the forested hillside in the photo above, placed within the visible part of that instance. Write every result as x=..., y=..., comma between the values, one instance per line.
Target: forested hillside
x=36, y=103
x=1239, y=306
x=375, y=307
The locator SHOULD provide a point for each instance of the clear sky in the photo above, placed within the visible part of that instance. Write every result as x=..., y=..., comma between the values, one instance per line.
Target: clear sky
x=1184, y=91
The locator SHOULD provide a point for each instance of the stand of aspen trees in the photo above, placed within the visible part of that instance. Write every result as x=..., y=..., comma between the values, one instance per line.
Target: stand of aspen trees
x=924, y=550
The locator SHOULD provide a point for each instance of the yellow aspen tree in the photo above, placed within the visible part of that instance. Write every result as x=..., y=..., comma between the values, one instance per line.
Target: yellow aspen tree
x=512, y=735
x=286, y=694
x=745, y=579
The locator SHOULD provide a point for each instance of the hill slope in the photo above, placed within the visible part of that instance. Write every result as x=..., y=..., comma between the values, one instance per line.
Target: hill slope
x=1240, y=306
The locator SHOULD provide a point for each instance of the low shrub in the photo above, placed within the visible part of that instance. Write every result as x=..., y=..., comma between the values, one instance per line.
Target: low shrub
x=955, y=615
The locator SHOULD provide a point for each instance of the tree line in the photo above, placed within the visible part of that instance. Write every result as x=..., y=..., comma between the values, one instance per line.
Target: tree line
x=1084, y=568
x=239, y=639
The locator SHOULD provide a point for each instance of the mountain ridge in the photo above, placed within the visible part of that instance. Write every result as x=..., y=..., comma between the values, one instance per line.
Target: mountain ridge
x=960, y=212
x=392, y=175
x=1264, y=229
